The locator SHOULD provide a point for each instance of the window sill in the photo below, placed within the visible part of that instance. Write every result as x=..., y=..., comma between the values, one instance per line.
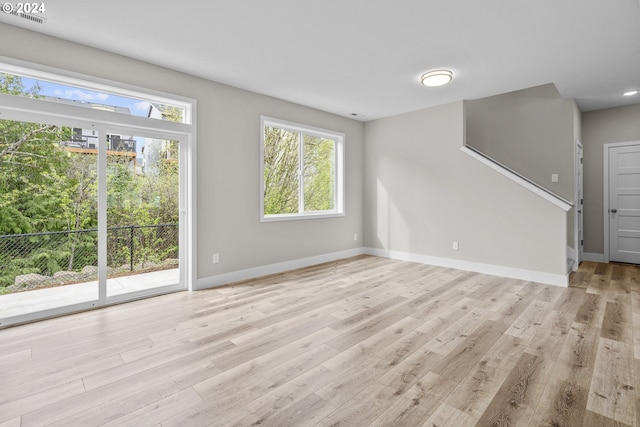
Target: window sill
x=296, y=217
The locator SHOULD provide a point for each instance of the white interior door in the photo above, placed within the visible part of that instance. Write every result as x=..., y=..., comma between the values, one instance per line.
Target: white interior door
x=624, y=203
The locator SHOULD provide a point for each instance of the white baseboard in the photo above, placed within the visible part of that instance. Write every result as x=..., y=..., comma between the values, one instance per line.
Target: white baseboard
x=587, y=256
x=265, y=270
x=495, y=270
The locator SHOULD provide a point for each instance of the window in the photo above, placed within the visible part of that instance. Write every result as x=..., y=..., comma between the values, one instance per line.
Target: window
x=302, y=171
x=55, y=88
x=90, y=193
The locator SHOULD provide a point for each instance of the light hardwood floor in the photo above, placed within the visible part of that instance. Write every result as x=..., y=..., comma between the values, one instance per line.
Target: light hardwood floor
x=357, y=342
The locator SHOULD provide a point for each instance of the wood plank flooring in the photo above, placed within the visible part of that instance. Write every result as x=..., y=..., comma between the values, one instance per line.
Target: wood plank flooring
x=357, y=342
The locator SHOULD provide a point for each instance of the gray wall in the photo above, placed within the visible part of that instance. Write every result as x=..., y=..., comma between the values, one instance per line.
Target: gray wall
x=598, y=128
x=228, y=136
x=422, y=193
x=531, y=131
x=409, y=189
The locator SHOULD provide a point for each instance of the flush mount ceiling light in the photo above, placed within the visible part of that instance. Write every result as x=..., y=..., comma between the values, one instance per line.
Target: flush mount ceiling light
x=436, y=78
x=630, y=92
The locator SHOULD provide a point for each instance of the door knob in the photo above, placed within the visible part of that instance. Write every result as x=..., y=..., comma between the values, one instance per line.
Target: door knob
x=614, y=210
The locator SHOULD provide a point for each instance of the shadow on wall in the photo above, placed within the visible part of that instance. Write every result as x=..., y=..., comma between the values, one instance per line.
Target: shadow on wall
x=423, y=193
x=392, y=229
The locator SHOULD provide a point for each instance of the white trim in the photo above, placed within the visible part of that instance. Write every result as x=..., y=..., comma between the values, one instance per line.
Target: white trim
x=298, y=216
x=66, y=310
x=555, y=200
x=138, y=295
x=605, y=191
x=187, y=261
x=605, y=200
x=102, y=213
x=299, y=127
x=16, y=105
x=265, y=270
x=339, y=194
x=190, y=202
x=49, y=313
x=495, y=270
x=572, y=255
x=578, y=206
x=70, y=78
x=27, y=109
x=588, y=256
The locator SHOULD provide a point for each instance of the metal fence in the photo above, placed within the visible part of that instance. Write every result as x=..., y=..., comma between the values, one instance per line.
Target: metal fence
x=37, y=260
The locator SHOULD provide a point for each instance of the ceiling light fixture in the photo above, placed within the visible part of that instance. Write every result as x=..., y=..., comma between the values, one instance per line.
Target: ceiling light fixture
x=436, y=78
x=630, y=92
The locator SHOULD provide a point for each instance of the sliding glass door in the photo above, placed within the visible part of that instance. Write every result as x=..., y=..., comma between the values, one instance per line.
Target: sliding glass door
x=143, y=214
x=95, y=186
x=48, y=219
x=89, y=215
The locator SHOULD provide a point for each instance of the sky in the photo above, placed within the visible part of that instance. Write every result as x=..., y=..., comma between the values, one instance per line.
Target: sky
x=137, y=107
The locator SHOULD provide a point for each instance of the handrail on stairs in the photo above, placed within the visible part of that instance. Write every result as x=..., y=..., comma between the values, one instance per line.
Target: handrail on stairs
x=518, y=178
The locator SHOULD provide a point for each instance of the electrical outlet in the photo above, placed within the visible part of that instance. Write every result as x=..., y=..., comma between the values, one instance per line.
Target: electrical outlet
x=455, y=246
x=554, y=177
x=216, y=258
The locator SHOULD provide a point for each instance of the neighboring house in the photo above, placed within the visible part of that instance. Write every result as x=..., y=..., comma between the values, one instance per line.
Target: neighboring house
x=86, y=140
x=152, y=149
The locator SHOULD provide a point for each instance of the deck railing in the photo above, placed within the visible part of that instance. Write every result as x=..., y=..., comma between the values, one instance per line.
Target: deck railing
x=36, y=260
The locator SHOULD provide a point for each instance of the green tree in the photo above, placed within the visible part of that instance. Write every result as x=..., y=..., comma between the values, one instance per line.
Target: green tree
x=142, y=199
x=319, y=174
x=35, y=191
x=281, y=159
x=45, y=187
x=31, y=167
x=170, y=113
x=281, y=172
x=166, y=188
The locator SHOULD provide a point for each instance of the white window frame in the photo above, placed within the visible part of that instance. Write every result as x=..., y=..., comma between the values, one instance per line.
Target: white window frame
x=26, y=109
x=96, y=84
x=338, y=138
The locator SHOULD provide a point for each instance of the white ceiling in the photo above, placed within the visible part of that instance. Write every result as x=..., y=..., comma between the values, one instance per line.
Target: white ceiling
x=366, y=56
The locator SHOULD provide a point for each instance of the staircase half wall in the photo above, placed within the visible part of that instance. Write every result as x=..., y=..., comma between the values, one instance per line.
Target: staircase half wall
x=424, y=197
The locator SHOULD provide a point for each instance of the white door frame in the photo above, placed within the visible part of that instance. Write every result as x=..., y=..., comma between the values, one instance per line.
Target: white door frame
x=578, y=206
x=605, y=190
x=184, y=283
x=40, y=111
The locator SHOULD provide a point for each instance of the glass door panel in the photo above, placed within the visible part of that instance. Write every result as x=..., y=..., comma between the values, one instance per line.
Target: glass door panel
x=143, y=205
x=48, y=218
